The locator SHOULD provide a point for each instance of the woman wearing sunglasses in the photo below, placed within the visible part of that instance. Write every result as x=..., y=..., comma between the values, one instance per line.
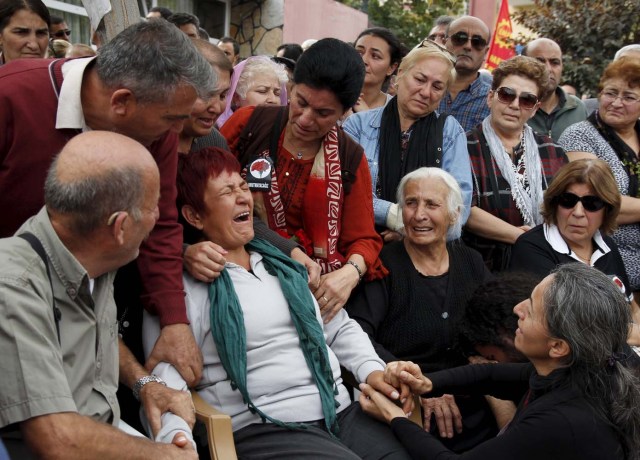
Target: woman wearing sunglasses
x=512, y=165
x=408, y=134
x=24, y=29
x=612, y=133
x=580, y=209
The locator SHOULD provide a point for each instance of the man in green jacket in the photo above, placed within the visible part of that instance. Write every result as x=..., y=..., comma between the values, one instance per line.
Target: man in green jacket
x=558, y=110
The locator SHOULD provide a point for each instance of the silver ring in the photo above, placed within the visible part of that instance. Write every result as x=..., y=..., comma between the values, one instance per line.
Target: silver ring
x=325, y=299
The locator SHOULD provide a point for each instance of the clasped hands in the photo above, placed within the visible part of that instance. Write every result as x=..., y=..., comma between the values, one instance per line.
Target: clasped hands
x=407, y=378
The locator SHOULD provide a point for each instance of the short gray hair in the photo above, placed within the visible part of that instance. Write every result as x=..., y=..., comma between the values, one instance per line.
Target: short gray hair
x=455, y=204
x=90, y=200
x=153, y=58
x=259, y=65
x=584, y=307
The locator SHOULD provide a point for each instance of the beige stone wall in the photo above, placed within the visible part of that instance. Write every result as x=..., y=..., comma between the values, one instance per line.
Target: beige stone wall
x=257, y=26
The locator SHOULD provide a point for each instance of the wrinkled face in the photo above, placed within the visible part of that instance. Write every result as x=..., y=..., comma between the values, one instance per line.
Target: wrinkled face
x=376, y=55
x=425, y=213
x=511, y=117
x=312, y=112
x=619, y=103
x=577, y=225
x=228, y=217
x=147, y=123
x=138, y=231
x=532, y=336
x=205, y=113
x=549, y=54
x=227, y=49
x=469, y=59
x=263, y=90
x=190, y=30
x=422, y=87
x=25, y=36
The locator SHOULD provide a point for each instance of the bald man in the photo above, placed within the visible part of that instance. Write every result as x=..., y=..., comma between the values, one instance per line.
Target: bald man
x=466, y=99
x=557, y=110
x=61, y=353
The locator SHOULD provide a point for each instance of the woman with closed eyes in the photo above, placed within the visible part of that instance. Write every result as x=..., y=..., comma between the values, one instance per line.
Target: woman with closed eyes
x=511, y=164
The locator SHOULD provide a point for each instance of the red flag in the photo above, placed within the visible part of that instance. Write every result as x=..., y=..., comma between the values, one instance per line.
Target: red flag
x=501, y=46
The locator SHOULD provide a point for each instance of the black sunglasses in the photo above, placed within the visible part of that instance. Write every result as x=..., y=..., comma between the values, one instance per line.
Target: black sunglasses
x=507, y=95
x=461, y=38
x=62, y=33
x=590, y=203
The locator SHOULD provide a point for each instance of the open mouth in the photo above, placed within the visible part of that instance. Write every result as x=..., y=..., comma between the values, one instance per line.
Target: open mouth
x=422, y=229
x=242, y=217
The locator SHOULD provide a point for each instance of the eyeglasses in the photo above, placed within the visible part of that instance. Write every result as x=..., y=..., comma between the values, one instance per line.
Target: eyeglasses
x=428, y=43
x=461, y=38
x=62, y=33
x=626, y=99
x=507, y=95
x=590, y=203
x=434, y=37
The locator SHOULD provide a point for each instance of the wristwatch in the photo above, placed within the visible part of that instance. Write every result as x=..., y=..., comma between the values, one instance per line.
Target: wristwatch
x=137, y=387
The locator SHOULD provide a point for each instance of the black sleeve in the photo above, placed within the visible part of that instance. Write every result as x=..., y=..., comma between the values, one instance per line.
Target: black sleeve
x=527, y=255
x=503, y=381
x=369, y=306
x=537, y=436
x=262, y=231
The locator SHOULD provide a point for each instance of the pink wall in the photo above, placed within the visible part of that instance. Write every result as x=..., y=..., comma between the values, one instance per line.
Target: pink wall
x=317, y=19
x=486, y=10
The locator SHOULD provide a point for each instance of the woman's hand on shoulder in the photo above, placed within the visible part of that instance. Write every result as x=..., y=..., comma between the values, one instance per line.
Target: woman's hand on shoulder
x=334, y=290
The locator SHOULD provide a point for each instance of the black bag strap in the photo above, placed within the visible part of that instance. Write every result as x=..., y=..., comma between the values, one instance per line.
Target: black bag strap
x=35, y=243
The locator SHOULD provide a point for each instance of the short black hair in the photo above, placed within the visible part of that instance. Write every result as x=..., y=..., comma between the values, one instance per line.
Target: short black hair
x=181, y=19
x=489, y=316
x=333, y=65
x=55, y=20
x=203, y=34
x=165, y=13
x=236, y=45
x=291, y=50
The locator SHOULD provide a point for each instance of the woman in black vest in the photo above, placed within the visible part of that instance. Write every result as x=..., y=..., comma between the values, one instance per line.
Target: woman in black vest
x=415, y=312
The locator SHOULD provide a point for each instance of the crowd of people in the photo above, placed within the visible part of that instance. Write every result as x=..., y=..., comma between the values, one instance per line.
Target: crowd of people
x=320, y=243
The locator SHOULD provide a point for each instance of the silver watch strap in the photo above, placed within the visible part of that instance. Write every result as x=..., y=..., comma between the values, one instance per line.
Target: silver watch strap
x=137, y=387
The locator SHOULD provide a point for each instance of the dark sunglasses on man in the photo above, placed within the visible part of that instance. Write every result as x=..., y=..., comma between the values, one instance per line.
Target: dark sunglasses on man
x=507, y=95
x=62, y=33
x=590, y=203
x=461, y=38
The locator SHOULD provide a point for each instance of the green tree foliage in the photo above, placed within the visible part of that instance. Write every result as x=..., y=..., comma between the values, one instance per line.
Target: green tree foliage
x=411, y=21
x=588, y=32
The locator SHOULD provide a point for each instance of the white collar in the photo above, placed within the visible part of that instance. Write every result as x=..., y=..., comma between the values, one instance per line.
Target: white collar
x=557, y=242
x=70, y=115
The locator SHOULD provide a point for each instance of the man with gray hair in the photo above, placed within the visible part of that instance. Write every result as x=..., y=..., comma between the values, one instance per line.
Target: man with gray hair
x=558, y=110
x=61, y=353
x=143, y=84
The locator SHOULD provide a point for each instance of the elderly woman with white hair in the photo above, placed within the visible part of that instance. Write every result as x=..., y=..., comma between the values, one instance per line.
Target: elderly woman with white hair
x=414, y=313
x=255, y=81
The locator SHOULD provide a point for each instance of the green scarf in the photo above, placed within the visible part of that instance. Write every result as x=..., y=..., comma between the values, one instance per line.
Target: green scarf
x=230, y=337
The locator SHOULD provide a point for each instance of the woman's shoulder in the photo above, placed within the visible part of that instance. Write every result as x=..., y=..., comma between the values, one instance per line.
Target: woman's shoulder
x=394, y=253
x=459, y=250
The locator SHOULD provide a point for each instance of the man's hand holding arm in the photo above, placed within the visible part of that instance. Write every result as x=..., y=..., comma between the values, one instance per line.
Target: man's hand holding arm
x=155, y=397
